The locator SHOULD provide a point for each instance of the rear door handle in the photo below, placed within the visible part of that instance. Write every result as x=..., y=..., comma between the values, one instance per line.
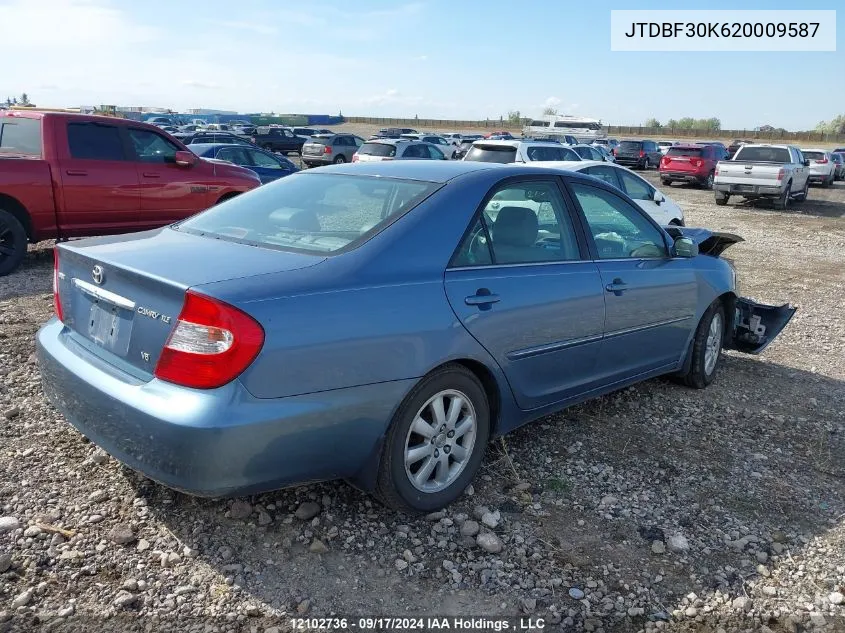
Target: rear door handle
x=76, y=172
x=149, y=174
x=617, y=287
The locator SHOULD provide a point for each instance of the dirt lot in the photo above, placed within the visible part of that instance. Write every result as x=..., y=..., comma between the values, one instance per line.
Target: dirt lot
x=656, y=508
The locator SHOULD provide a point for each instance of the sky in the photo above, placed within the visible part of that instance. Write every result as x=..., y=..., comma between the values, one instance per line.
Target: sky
x=445, y=59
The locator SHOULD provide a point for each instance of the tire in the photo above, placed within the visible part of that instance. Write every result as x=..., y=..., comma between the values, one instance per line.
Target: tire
x=394, y=486
x=13, y=242
x=706, y=347
x=721, y=198
x=339, y=160
x=801, y=197
x=707, y=183
x=666, y=182
x=782, y=203
x=831, y=180
x=647, y=164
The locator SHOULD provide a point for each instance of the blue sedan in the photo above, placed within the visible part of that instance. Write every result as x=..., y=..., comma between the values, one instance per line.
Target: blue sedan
x=267, y=165
x=380, y=323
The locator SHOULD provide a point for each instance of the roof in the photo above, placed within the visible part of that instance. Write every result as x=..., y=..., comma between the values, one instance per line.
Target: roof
x=429, y=170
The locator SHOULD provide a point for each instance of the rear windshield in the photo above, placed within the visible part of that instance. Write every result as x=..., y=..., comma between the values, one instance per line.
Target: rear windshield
x=378, y=149
x=763, y=154
x=685, y=151
x=20, y=136
x=491, y=154
x=312, y=212
x=551, y=153
x=321, y=138
x=813, y=155
x=630, y=145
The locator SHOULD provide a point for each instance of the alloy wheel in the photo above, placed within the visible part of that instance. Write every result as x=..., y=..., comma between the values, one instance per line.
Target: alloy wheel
x=713, y=345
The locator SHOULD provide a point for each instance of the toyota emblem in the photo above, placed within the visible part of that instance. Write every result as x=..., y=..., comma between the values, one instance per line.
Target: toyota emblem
x=98, y=274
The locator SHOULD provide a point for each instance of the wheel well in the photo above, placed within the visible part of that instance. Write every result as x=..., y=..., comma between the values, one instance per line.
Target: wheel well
x=728, y=300
x=491, y=388
x=227, y=196
x=10, y=204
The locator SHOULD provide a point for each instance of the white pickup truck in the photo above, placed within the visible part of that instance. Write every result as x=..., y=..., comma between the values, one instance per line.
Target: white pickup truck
x=778, y=172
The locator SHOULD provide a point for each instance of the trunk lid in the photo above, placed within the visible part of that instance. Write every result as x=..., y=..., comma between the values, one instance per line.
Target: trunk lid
x=121, y=296
x=313, y=148
x=736, y=172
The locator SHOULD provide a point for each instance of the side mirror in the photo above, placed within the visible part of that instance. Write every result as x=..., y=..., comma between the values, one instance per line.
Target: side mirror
x=685, y=247
x=658, y=197
x=806, y=162
x=184, y=158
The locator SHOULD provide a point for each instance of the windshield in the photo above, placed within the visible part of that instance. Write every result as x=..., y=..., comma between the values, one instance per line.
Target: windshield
x=551, y=153
x=763, y=154
x=311, y=212
x=491, y=154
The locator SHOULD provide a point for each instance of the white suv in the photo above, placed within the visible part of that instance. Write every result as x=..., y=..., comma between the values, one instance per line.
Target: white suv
x=517, y=151
x=396, y=149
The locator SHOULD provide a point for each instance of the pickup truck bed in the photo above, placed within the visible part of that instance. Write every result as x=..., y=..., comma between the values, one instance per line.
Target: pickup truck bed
x=67, y=175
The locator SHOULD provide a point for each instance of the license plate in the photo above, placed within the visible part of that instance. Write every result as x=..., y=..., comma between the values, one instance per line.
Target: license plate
x=104, y=324
x=744, y=187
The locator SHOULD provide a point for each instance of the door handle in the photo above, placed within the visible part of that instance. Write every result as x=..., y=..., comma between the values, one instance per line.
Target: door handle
x=617, y=287
x=482, y=298
x=76, y=172
x=150, y=174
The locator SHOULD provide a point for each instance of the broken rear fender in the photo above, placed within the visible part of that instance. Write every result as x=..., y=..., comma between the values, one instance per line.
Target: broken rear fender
x=756, y=325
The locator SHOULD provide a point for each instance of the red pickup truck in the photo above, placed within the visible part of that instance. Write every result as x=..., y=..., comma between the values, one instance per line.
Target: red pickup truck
x=68, y=175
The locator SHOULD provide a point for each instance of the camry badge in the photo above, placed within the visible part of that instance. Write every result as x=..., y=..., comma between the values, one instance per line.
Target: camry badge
x=98, y=275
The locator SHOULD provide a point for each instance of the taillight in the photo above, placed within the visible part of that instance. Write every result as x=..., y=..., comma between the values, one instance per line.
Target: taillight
x=211, y=344
x=354, y=158
x=781, y=173
x=327, y=150
x=695, y=162
x=613, y=151
x=716, y=171
x=57, y=302
x=642, y=153
x=822, y=161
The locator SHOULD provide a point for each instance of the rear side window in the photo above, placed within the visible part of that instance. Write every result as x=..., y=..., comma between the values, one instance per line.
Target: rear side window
x=491, y=154
x=312, y=212
x=378, y=149
x=94, y=141
x=684, y=151
x=20, y=136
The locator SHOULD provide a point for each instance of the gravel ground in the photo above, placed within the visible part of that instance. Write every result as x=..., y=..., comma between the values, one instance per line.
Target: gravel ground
x=657, y=508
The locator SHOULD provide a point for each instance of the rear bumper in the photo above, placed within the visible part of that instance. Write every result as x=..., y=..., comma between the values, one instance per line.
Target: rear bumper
x=819, y=176
x=218, y=442
x=318, y=159
x=630, y=160
x=749, y=190
x=686, y=176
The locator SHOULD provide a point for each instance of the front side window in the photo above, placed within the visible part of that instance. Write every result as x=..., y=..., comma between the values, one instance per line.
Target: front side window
x=635, y=187
x=235, y=155
x=95, y=141
x=260, y=159
x=151, y=147
x=435, y=153
x=527, y=222
x=313, y=212
x=619, y=230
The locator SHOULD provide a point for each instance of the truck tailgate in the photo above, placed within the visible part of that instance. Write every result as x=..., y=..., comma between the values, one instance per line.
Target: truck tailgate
x=734, y=172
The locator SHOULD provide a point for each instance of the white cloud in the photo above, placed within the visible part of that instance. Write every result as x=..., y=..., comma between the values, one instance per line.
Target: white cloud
x=551, y=102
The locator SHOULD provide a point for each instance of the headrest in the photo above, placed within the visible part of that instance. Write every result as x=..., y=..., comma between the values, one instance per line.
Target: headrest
x=515, y=226
x=296, y=219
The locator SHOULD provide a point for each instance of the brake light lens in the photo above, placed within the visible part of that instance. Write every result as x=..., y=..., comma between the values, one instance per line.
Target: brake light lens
x=327, y=150
x=57, y=302
x=781, y=173
x=822, y=161
x=642, y=153
x=354, y=158
x=211, y=344
x=695, y=162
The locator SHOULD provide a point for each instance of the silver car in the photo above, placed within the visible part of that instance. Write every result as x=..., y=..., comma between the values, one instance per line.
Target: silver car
x=397, y=149
x=328, y=149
